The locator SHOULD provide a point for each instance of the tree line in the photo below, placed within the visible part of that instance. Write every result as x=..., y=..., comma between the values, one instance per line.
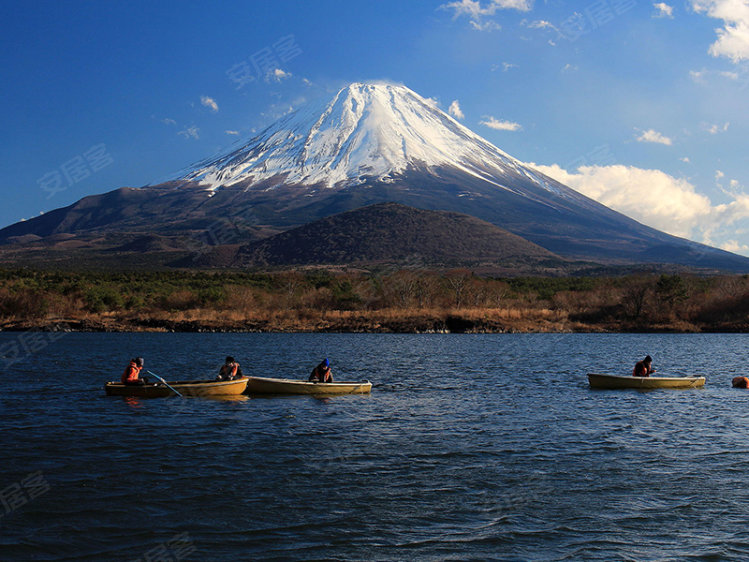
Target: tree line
x=303, y=299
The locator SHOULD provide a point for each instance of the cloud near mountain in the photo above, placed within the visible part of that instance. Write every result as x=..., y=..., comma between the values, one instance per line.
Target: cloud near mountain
x=657, y=199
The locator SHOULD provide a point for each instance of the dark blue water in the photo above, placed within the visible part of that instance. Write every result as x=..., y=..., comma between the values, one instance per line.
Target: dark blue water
x=469, y=447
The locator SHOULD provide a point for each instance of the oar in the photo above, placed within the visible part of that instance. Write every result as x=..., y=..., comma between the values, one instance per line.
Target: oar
x=166, y=383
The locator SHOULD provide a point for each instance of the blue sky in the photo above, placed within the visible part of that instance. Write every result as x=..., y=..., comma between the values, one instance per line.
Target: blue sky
x=643, y=106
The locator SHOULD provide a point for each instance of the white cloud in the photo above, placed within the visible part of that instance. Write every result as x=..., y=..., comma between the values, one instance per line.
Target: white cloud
x=190, y=132
x=476, y=11
x=569, y=68
x=167, y=121
x=735, y=247
x=541, y=24
x=229, y=132
x=209, y=102
x=474, y=8
x=659, y=200
x=685, y=159
x=715, y=129
x=488, y=25
x=432, y=102
x=663, y=10
x=505, y=66
x=277, y=75
x=499, y=125
x=701, y=76
x=455, y=110
x=733, y=37
x=654, y=136
x=649, y=196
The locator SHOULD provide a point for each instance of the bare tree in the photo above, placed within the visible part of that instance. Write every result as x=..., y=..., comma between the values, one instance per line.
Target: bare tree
x=457, y=281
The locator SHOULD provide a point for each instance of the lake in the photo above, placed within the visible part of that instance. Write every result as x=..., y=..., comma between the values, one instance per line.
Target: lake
x=483, y=447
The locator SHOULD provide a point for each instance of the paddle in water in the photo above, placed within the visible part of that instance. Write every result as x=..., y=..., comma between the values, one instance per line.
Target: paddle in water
x=166, y=383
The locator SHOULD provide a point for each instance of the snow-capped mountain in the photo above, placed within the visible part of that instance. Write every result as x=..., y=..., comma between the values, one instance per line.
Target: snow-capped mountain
x=373, y=143
x=368, y=132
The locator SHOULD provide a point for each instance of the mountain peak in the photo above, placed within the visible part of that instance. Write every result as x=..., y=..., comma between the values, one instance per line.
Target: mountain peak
x=370, y=130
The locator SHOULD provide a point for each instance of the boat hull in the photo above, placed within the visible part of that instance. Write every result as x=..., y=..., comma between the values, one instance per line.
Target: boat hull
x=611, y=382
x=264, y=385
x=185, y=388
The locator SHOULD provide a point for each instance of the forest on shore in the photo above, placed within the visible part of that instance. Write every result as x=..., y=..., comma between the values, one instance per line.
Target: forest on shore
x=362, y=301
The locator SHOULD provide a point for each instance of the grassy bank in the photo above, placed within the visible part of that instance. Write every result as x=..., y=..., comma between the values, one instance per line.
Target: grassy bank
x=391, y=301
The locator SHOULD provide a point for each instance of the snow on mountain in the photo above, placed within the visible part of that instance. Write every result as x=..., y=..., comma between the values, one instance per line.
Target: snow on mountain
x=368, y=131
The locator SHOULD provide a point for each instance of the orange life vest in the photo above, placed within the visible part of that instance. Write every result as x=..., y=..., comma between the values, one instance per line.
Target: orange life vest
x=132, y=372
x=321, y=374
x=229, y=371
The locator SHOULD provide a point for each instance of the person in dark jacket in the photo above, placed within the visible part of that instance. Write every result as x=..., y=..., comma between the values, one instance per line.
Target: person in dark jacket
x=643, y=368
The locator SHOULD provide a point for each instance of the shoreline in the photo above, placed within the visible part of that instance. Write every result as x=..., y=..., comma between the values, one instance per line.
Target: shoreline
x=366, y=324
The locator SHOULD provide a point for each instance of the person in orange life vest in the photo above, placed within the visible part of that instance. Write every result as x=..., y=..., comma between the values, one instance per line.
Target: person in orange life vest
x=229, y=370
x=322, y=373
x=740, y=382
x=131, y=375
x=643, y=368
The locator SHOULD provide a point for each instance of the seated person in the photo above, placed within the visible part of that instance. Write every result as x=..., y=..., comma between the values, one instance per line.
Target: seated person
x=322, y=373
x=131, y=375
x=643, y=368
x=740, y=382
x=229, y=370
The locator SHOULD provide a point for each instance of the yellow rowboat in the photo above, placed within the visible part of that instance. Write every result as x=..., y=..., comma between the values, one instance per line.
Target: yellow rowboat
x=628, y=381
x=263, y=385
x=185, y=388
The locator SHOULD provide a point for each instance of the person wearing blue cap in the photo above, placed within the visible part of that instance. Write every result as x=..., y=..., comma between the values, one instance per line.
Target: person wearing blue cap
x=322, y=372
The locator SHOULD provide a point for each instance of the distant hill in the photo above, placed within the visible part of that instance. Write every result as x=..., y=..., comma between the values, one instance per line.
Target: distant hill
x=394, y=233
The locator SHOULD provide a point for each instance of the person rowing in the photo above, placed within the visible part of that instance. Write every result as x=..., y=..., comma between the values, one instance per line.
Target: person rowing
x=322, y=372
x=643, y=368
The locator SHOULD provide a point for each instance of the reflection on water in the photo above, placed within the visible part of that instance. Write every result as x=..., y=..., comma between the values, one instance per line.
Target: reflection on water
x=484, y=447
x=132, y=401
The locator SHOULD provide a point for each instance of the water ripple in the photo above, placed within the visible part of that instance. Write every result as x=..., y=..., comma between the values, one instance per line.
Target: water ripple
x=470, y=447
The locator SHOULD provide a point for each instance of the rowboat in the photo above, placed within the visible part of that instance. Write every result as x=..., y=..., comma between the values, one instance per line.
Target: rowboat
x=185, y=388
x=628, y=381
x=264, y=385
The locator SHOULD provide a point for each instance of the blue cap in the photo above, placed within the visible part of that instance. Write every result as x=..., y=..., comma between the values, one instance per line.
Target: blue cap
x=326, y=362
